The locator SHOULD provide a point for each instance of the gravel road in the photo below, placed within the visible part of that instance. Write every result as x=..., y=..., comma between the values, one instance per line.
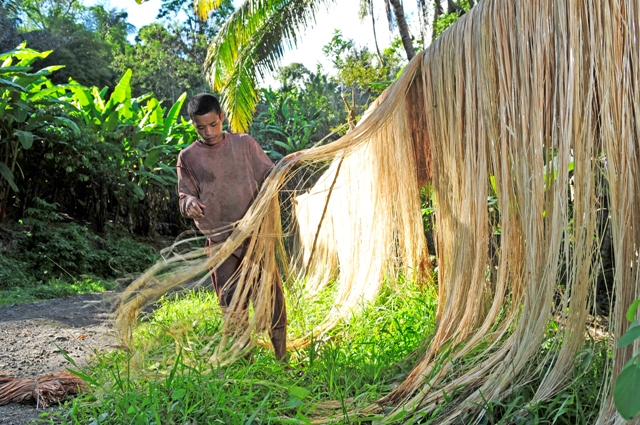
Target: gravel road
x=33, y=335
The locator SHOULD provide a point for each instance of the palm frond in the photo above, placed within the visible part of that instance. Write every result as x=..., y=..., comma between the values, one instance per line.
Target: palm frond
x=204, y=7
x=250, y=45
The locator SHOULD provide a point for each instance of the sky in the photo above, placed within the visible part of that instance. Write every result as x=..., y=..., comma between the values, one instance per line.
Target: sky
x=342, y=16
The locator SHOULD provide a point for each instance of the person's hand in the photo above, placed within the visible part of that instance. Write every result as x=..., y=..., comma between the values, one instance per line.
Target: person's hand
x=194, y=208
x=291, y=157
x=294, y=155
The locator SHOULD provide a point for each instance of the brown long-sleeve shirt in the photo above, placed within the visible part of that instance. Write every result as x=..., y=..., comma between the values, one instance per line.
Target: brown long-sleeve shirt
x=224, y=177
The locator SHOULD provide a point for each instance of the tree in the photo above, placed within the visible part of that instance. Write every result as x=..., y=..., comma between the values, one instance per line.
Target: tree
x=308, y=106
x=168, y=58
x=50, y=15
x=444, y=19
x=82, y=39
x=251, y=43
x=160, y=65
x=194, y=31
x=366, y=8
x=403, y=28
x=293, y=75
x=8, y=25
x=111, y=26
x=301, y=112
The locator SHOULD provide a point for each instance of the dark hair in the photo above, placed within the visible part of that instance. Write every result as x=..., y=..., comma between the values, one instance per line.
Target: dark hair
x=202, y=104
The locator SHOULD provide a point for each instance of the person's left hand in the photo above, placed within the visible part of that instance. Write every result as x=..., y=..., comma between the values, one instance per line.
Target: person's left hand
x=294, y=155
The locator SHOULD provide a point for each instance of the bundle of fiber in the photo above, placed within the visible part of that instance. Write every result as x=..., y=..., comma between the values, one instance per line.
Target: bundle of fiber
x=533, y=103
x=42, y=392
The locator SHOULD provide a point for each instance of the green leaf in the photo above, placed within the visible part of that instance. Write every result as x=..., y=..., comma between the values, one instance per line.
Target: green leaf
x=178, y=394
x=24, y=55
x=299, y=392
x=135, y=140
x=293, y=403
x=152, y=158
x=122, y=92
x=26, y=138
x=170, y=120
x=11, y=69
x=494, y=185
x=170, y=170
x=285, y=146
x=82, y=95
x=163, y=180
x=124, y=111
x=97, y=99
x=53, y=102
x=155, y=111
x=70, y=123
x=4, y=82
x=80, y=374
x=111, y=122
x=19, y=114
x=633, y=308
x=8, y=176
x=626, y=393
x=48, y=70
x=26, y=80
x=137, y=190
x=631, y=335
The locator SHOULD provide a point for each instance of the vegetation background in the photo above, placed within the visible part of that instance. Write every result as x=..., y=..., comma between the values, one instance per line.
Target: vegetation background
x=90, y=128
x=91, y=125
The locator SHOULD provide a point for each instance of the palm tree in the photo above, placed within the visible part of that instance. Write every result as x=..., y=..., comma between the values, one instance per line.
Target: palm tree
x=252, y=42
x=366, y=8
x=403, y=28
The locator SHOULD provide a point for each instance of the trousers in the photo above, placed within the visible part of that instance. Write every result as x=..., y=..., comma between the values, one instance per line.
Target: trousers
x=225, y=282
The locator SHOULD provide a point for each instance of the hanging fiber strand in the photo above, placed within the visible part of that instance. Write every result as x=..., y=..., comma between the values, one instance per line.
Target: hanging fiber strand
x=534, y=103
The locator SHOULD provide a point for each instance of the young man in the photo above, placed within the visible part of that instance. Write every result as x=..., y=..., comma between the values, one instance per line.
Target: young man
x=218, y=178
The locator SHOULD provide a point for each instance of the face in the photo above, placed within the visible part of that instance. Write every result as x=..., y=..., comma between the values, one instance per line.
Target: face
x=209, y=127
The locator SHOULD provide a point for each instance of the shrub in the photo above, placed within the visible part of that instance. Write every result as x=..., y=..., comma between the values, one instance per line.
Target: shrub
x=53, y=248
x=13, y=272
x=127, y=255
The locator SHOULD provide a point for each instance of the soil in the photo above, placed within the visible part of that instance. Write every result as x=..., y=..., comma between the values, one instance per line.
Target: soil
x=33, y=335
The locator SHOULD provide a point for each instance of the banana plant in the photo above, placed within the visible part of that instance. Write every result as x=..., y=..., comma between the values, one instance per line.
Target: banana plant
x=150, y=135
x=22, y=112
x=285, y=125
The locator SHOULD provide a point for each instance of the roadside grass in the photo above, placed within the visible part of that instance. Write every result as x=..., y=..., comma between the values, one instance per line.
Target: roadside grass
x=337, y=375
x=54, y=288
x=334, y=378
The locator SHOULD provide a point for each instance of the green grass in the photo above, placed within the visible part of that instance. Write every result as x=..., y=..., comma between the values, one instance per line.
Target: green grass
x=353, y=366
x=54, y=288
x=577, y=403
x=336, y=376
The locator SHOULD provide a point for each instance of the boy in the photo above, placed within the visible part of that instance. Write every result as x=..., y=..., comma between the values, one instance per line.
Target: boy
x=218, y=178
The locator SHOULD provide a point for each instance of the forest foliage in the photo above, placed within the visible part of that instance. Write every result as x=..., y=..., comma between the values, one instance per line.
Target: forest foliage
x=91, y=124
x=89, y=138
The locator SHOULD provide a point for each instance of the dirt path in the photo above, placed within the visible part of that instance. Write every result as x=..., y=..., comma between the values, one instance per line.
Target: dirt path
x=31, y=336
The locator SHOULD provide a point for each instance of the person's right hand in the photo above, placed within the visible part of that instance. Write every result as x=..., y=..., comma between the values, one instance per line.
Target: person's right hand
x=194, y=208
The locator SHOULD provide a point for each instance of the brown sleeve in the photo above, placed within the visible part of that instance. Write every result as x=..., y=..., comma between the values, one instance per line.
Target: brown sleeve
x=187, y=184
x=260, y=162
